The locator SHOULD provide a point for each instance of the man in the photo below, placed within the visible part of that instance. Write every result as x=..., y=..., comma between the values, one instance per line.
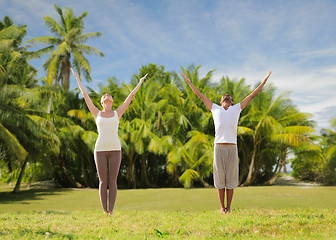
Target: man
x=226, y=116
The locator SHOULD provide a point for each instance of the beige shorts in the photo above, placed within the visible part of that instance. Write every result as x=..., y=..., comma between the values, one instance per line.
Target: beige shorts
x=225, y=166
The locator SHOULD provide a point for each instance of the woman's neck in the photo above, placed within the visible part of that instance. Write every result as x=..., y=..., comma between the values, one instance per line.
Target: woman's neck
x=107, y=110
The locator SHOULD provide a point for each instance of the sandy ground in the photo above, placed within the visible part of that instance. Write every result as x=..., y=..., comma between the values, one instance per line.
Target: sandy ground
x=287, y=180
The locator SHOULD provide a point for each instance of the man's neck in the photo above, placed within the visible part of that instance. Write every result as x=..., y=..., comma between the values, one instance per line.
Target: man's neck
x=226, y=106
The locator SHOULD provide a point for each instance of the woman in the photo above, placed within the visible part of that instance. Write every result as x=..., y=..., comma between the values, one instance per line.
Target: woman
x=226, y=116
x=107, y=146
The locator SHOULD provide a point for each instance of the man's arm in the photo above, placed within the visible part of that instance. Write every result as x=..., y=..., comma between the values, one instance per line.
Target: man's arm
x=248, y=99
x=206, y=100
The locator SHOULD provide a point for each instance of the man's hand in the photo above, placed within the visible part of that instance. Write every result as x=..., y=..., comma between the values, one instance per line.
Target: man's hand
x=267, y=76
x=185, y=78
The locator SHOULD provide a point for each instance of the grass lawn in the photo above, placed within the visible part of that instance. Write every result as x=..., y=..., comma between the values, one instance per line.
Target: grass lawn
x=258, y=212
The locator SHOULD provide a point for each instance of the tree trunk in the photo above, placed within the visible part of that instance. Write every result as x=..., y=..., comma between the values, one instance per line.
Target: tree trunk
x=249, y=175
x=49, y=105
x=84, y=172
x=29, y=181
x=256, y=170
x=66, y=71
x=18, y=182
x=144, y=176
x=274, y=178
x=205, y=184
x=281, y=163
x=130, y=175
x=158, y=123
x=70, y=178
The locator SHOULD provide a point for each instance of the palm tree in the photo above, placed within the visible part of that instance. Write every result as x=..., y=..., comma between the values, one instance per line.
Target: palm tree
x=292, y=132
x=67, y=43
x=272, y=120
x=24, y=143
x=193, y=159
x=329, y=150
x=143, y=119
x=193, y=108
x=14, y=66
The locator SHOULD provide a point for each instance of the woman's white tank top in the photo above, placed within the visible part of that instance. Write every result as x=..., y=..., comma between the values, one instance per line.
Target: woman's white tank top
x=107, y=133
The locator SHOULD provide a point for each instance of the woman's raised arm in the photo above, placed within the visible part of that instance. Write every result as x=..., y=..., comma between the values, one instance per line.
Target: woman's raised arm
x=124, y=106
x=93, y=109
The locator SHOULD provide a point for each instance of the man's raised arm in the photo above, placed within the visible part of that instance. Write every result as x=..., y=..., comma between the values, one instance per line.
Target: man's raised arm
x=206, y=100
x=248, y=99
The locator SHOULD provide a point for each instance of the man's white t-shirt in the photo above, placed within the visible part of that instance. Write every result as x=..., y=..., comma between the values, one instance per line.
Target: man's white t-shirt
x=226, y=122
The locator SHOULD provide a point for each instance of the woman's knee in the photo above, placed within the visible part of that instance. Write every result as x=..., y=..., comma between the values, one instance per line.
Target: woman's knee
x=112, y=182
x=102, y=183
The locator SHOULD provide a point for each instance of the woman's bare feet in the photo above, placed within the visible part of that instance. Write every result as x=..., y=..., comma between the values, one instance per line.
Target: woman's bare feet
x=227, y=210
x=106, y=212
x=109, y=213
x=222, y=211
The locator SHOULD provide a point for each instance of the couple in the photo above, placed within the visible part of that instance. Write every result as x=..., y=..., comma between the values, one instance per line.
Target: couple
x=107, y=148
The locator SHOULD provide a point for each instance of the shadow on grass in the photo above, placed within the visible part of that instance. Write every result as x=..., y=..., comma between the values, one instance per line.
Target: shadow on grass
x=25, y=195
x=38, y=234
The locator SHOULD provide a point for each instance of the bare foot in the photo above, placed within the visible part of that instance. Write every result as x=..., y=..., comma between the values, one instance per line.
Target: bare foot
x=222, y=211
x=106, y=212
x=109, y=213
x=227, y=210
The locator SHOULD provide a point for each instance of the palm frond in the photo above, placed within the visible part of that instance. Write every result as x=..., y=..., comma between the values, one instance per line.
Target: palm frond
x=11, y=144
x=188, y=176
x=6, y=44
x=89, y=138
x=88, y=50
x=294, y=118
x=45, y=40
x=54, y=26
x=298, y=130
x=83, y=63
x=244, y=131
x=83, y=38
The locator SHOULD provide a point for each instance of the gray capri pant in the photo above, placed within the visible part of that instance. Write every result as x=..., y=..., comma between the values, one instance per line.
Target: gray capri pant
x=225, y=166
x=108, y=164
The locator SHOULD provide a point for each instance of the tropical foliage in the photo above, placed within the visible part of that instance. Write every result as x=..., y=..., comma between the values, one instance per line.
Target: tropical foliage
x=166, y=134
x=318, y=164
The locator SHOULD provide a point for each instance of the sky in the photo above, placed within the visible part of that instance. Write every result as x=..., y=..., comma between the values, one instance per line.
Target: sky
x=295, y=39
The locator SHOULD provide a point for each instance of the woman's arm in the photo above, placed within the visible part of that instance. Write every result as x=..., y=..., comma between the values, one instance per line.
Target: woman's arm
x=206, y=100
x=248, y=99
x=93, y=109
x=124, y=106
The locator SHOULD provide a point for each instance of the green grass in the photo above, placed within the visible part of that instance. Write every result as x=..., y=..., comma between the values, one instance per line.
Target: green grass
x=258, y=212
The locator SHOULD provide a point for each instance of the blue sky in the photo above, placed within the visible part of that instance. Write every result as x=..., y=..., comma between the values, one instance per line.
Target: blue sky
x=240, y=39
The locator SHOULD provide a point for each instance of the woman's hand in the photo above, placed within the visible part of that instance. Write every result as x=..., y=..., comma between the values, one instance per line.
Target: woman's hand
x=124, y=106
x=143, y=78
x=93, y=109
